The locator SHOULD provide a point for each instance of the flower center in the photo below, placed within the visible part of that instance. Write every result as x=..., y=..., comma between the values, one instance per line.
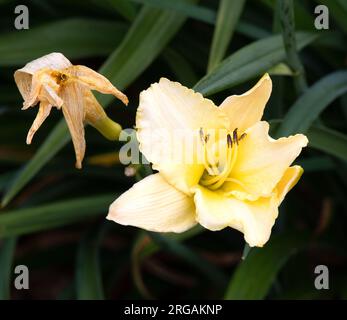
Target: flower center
x=59, y=77
x=219, y=159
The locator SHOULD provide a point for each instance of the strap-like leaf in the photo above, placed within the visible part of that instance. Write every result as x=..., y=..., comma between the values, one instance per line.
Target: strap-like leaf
x=228, y=15
x=7, y=249
x=309, y=106
x=75, y=38
x=255, y=275
x=248, y=62
x=24, y=221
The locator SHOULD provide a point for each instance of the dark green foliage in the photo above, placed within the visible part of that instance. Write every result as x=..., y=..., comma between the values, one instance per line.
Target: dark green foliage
x=52, y=217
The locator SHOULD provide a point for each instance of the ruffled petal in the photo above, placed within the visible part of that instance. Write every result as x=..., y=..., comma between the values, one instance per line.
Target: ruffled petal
x=169, y=121
x=288, y=181
x=154, y=205
x=247, y=109
x=254, y=219
x=262, y=161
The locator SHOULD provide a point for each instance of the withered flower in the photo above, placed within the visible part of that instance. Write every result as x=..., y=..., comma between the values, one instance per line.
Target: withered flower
x=52, y=81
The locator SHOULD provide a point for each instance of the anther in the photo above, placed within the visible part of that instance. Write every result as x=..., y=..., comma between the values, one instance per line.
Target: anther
x=242, y=136
x=63, y=77
x=207, y=137
x=235, y=138
x=229, y=141
x=202, y=136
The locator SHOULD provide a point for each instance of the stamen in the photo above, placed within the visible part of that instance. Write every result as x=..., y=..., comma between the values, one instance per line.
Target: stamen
x=59, y=77
x=63, y=77
x=207, y=137
x=235, y=138
x=213, y=178
x=242, y=136
x=229, y=141
x=202, y=136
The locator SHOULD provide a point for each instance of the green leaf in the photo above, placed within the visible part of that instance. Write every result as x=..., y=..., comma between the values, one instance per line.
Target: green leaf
x=7, y=250
x=206, y=15
x=254, y=276
x=56, y=214
x=228, y=15
x=147, y=37
x=329, y=141
x=180, y=67
x=88, y=274
x=309, y=106
x=75, y=38
x=191, y=10
x=144, y=247
x=280, y=69
x=55, y=141
x=150, y=247
x=124, y=7
x=249, y=62
x=188, y=255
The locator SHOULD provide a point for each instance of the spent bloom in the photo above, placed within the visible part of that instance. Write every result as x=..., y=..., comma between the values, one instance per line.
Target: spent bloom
x=242, y=179
x=52, y=81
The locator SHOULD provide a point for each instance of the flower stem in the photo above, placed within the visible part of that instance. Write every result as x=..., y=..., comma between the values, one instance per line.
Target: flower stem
x=108, y=128
x=286, y=14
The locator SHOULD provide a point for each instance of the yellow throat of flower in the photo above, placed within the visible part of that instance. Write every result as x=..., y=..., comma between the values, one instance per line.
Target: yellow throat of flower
x=218, y=165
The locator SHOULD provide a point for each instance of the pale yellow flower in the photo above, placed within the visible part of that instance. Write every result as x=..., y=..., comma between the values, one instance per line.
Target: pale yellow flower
x=52, y=81
x=240, y=186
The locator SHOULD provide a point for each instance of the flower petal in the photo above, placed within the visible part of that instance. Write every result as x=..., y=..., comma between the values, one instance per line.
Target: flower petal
x=288, y=181
x=247, y=109
x=168, y=121
x=254, y=218
x=43, y=113
x=96, y=81
x=23, y=76
x=262, y=161
x=154, y=205
x=51, y=96
x=74, y=111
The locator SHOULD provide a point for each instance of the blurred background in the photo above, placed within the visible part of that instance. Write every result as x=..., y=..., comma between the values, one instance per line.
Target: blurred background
x=52, y=216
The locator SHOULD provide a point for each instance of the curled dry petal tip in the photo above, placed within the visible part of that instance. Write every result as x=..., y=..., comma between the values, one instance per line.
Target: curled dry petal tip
x=52, y=81
x=240, y=180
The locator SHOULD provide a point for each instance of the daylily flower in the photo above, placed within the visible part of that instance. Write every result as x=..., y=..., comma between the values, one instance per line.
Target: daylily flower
x=240, y=184
x=52, y=81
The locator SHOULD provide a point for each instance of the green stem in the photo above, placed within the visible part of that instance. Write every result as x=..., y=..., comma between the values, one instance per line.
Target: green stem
x=286, y=13
x=108, y=128
x=246, y=250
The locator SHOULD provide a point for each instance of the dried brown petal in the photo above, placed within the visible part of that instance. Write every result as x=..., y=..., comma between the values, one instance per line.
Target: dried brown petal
x=73, y=109
x=42, y=114
x=23, y=76
x=96, y=81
